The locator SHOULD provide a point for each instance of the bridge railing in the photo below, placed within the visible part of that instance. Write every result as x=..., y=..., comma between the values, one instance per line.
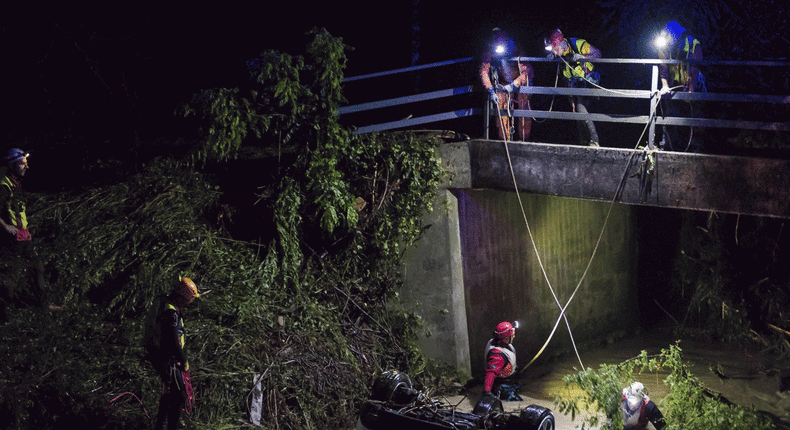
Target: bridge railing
x=648, y=116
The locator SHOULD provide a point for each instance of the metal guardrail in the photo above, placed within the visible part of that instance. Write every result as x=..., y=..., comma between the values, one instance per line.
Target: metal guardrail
x=650, y=117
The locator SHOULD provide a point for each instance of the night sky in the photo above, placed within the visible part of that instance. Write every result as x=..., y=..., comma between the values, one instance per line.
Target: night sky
x=105, y=70
x=101, y=68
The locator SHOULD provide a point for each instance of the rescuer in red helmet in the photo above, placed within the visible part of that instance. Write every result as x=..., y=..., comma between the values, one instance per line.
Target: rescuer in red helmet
x=502, y=78
x=577, y=73
x=500, y=360
x=168, y=356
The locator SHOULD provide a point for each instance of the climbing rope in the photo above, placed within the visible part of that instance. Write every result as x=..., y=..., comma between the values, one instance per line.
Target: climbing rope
x=563, y=316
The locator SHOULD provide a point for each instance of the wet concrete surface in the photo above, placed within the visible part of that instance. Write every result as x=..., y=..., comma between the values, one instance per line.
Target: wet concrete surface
x=745, y=376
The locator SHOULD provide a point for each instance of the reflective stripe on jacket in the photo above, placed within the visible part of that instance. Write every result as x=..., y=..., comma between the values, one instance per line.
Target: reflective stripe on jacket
x=14, y=211
x=578, y=70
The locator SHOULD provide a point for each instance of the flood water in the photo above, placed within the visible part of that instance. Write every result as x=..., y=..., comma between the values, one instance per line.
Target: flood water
x=746, y=376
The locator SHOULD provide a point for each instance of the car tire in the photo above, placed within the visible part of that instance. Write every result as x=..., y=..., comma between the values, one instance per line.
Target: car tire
x=535, y=417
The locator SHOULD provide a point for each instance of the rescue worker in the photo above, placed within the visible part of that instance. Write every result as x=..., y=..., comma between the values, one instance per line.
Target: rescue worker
x=168, y=356
x=578, y=74
x=501, y=79
x=674, y=43
x=638, y=409
x=501, y=363
x=18, y=257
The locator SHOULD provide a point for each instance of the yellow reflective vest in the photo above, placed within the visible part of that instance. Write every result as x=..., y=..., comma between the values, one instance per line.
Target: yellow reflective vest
x=14, y=210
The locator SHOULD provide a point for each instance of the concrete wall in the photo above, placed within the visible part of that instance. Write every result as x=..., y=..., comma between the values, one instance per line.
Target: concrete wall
x=434, y=286
x=475, y=266
x=503, y=280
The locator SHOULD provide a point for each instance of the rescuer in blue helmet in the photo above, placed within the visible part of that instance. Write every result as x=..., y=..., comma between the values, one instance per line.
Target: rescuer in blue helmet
x=19, y=262
x=674, y=43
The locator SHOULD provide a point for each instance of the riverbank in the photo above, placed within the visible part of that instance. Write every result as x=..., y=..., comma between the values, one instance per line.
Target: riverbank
x=743, y=375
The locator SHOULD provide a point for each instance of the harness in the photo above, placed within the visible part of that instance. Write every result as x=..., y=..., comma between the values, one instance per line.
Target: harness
x=507, y=353
x=180, y=325
x=636, y=419
x=583, y=71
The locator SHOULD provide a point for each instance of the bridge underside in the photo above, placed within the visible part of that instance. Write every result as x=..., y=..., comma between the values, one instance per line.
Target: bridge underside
x=741, y=185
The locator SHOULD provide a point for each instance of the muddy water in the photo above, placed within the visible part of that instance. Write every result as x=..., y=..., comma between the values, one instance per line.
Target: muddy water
x=745, y=377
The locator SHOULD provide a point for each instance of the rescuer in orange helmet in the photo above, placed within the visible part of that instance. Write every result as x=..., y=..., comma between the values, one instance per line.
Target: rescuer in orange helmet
x=502, y=78
x=501, y=362
x=168, y=355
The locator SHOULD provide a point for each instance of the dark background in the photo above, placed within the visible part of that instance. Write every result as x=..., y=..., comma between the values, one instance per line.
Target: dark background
x=88, y=82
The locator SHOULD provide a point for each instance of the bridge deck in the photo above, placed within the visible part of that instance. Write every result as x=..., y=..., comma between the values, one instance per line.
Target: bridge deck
x=742, y=185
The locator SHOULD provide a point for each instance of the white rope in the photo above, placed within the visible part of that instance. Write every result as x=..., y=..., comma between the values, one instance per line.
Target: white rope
x=537, y=254
x=534, y=246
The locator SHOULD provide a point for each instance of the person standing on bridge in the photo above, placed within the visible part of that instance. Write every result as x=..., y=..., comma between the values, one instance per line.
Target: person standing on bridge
x=673, y=43
x=502, y=77
x=578, y=74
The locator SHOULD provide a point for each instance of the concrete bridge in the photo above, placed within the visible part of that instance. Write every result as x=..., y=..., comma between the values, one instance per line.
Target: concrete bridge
x=480, y=261
x=475, y=264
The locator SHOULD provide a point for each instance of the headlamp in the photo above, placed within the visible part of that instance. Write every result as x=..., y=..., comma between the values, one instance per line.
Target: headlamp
x=500, y=49
x=547, y=44
x=515, y=324
x=663, y=40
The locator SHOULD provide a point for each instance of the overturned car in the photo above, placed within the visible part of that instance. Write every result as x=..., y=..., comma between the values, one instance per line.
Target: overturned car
x=394, y=404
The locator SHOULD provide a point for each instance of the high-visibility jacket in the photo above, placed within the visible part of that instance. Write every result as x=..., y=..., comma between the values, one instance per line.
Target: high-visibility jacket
x=14, y=210
x=686, y=49
x=578, y=70
x=171, y=334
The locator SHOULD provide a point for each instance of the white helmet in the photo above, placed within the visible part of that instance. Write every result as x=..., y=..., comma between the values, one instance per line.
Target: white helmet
x=633, y=395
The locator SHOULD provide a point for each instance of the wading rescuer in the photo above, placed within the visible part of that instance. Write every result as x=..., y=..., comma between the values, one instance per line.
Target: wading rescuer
x=501, y=363
x=501, y=78
x=638, y=409
x=167, y=355
x=577, y=73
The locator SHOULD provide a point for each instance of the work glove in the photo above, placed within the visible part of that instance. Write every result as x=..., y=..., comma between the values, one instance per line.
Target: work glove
x=550, y=56
x=494, y=96
x=578, y=57
x=510, y=88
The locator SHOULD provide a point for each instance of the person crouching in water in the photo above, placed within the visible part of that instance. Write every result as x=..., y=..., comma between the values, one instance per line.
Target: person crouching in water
x=501, y=363
x=638, y=409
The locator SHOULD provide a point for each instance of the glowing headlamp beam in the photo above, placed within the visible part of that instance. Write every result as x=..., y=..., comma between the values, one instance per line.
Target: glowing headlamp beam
x=662, y=40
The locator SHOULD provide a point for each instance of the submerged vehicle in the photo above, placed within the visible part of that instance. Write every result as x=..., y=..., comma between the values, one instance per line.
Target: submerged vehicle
x=394, y=404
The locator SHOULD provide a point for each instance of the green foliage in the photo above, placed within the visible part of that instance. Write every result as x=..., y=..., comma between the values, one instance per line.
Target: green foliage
x=312, y=315
x=731, y=272
x=689, y=405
